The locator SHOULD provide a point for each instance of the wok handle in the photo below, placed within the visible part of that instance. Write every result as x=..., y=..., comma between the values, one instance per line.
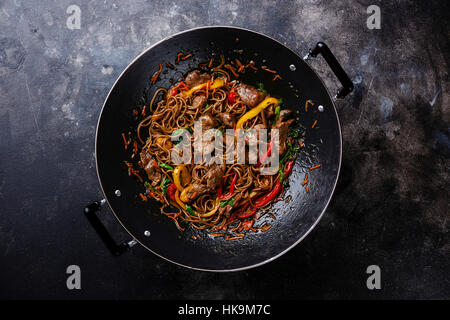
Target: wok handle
x=90, y=213
x=346, y=82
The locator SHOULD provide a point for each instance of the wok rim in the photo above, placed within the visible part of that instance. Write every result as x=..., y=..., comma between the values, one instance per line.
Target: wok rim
x=293, y=244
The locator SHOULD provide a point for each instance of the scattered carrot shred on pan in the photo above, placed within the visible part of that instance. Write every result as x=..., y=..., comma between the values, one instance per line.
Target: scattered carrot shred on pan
x=305, y=181
x=251, y=64
x=176, y=223
x=268, y=70
x=156, y=75
x=306, y=104
x=210, y=63
x=125, y=140
x=169, y=65
x=315, y=167
x=276, y=77
x=314, y=124
x=232, y=69
x=186, y=56
x=144, y=198
x=135, y=172
x=307, y=188
x=179, y=55
x=266, y=227
x=233, y=238
x=143, y=110
x=241, y=66
x=216, y=234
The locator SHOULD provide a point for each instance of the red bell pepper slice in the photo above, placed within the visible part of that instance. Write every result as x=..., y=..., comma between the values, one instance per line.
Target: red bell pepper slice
x=266, y=155
x=232, y=97
x=171, y=191
x=229, y=194
x=264, y=200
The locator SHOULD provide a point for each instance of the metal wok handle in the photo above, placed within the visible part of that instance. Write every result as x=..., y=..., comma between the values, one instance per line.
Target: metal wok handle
x=90, y=213
x=347, y=84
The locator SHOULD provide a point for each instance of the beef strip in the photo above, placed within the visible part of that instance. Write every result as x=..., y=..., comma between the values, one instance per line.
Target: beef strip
x=208, y=183
x=283, y=126
x=195, y=78
x=151, y=167
x=199, y=102
x=250, y=95
x=226, y=119
x=226, y=211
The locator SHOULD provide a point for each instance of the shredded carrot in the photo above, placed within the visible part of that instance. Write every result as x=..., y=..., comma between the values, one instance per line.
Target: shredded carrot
x=314, y=124
x=216, y=234
x=305, y=181
x=144, y=198
x=169, y=65
x=143, y=110
x=306, y=104
x=232, y=69
x=207, y=88
x=307, y=188
x=251, y=64
x=135, y=172
x=210, y=63
x=187, y=56
x=315, y=167
x=266, y=227
x=234, y=238
x=276, y=77
x=194, y=237
x=301, y=144
x=135, y=147
x=156, y=75
x=179, y=55
x=176, y=223
x=241, y=66
x=125, y=140
x=268, y=70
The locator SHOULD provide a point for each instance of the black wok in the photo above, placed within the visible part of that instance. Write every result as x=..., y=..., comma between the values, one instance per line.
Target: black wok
x=294, y=218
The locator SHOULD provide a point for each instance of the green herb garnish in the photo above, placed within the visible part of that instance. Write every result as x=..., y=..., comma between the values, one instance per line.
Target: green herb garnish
x=227, y=202
x=164, y=184
x=261, y=87
x=207, y=106
x=190, y=210
x=277, y=112
x=165, y=166
x=294, y=133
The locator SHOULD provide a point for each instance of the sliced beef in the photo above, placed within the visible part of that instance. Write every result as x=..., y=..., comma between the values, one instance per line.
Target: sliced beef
x=208, y=183
x=250, y=95
x=270, y=111
x=226, y=119
x=225, y=211
x=195, y=78
x=207, y=121
x=151, y=167
x=282, y=124
x=214, y=177
x=199, y=102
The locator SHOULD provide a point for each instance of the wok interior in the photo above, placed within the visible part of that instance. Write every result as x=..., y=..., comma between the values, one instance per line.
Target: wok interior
x=293, y=219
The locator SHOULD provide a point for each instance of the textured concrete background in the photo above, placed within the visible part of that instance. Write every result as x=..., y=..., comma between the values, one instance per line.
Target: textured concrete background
x=391, y=204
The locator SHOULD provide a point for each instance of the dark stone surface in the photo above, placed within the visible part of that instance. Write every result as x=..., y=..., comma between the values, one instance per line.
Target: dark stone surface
x=391, y=204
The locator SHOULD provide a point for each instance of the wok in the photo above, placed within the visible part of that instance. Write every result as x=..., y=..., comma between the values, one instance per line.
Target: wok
x=295, y=217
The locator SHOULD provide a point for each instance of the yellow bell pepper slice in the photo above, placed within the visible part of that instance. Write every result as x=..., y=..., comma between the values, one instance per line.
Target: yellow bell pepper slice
x=181, y=177
x=217, y=83
x=256, y=110
x=208, y=214
x=183, y=195
x=177, y=199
